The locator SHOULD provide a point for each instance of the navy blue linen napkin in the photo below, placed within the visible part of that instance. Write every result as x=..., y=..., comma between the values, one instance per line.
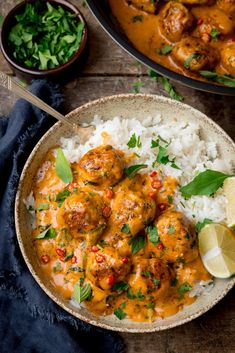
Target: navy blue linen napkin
x=30, y=322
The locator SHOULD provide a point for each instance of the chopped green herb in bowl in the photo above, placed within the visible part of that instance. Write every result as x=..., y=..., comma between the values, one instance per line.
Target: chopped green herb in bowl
x=42, y=37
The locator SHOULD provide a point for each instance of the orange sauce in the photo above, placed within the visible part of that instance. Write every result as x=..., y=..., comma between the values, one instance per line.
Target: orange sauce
x=154, y=286
x=147, y=36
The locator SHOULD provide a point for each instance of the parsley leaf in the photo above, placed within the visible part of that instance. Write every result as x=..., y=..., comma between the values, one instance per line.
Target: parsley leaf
x=200, y=225
x=192, y=57
x=125, y=228
x=164, y=50
x=153, y=234
x=137, y=243
x=184, y=288
x=63, y=169
x=134, y=142
x=166, y=85
x=119, y=313
x=120, y=286
x=205, y=183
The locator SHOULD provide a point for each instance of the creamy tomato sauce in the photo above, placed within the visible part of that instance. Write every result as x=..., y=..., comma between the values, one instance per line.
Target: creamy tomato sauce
x=120, y=234
x=199, y=33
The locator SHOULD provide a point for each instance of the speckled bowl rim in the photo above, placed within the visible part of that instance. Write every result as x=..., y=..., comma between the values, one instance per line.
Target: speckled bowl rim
x=75, y=313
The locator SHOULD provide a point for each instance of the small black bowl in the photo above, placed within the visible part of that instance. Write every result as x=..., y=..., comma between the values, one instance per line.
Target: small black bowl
x=61, y=73
x=102, y=12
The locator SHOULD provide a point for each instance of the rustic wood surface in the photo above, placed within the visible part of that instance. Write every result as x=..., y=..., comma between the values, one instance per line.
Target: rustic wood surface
x=109, y=70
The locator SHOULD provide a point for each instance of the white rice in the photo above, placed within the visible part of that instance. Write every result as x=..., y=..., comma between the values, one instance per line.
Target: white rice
x=192, y=154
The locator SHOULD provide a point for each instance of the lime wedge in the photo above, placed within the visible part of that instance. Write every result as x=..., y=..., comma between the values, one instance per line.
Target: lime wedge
x=229, y=191
x=217, y=250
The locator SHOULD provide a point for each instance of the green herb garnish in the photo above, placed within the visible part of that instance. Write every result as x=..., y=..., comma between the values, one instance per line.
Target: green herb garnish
x=164, y=50
x=134, y=142
x=150, y=305
x=200, y=225
x=57, y=267
x=63, y=169
x=192, y=57
x=45, y=36
x=174, y=282
x=226, y=80
x=49, y=233
x=146, y=274
x=137, y=18
x=184, y=288
x=153, y=234
x=156, y=281
x=139, y=295
x=62, y=195
x=136, y=86
x=132, y=170
x=215, y=33
x=119, y=313
x=82, y=292
x=120, y=286
x=170, y=199
x=171, y=230
x=166, y=85
x=43, y=206
x=205, y=183
x=137, y=243
x=125, y=228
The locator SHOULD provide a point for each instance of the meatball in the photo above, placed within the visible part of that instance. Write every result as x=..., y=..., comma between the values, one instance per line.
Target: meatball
x=228, y=6
x=194, y=55
x=211, y=23
x=175, y=19
x=150, y=275
x=82, y=213
x=144, y=5
x=228, y=58
x=178, y=241
x=106, y=267
x=134, y=209
x=197, y=2
x=102, y=166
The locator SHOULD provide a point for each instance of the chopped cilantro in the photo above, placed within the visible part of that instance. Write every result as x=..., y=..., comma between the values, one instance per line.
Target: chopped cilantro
x=137, y=18
x=43, y=206
x=156, y=282
x=137, y=243
x=136, y=86
x=134, y=142
x=166, y=49
x=170, y=199
x=120, y=286
x=184, y=288
x=215, y=33
x=153, y=234
x=119, y=313
x=125, y=228
x=139, y=295
x=146, y=274
x=171, y=230
x=174, y=282
x=150, y=305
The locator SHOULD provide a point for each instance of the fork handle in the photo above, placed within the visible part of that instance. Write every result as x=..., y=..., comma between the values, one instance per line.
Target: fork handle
x=12, y=85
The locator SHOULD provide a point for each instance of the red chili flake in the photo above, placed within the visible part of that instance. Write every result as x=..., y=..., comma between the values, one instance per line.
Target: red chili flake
x=45, y=259
x=199, y=21
x=162, y=206
x=160, y=246
x=152, y=195
x=109, y=193
x=94, y=248
x=74, y=259
x=60, y=252
x=156, y=184
x=153, y=174
x=106, y=210
x=125, y=260
x=99, y=258
x=72, y=186
x=110, y=280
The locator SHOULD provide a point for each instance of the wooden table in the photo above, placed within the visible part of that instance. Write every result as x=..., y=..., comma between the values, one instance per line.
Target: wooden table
x=109, y=70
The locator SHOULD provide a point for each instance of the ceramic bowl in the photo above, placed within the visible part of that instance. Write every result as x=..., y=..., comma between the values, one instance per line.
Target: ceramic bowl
x=61, y=73
x=125, y=106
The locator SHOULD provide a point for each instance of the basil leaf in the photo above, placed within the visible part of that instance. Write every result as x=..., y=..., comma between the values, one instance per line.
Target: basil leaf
x=164, y=50
x=192, y=57
x=153, y=234
x=119, y=313
x=49, y=233
x=132, y=170
x=120, y=286
x=137, y=243
x=205, y=183
x=82, y=293
x=63, y=169
x=200, y=225
x=125, y=228
x=184, y=288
